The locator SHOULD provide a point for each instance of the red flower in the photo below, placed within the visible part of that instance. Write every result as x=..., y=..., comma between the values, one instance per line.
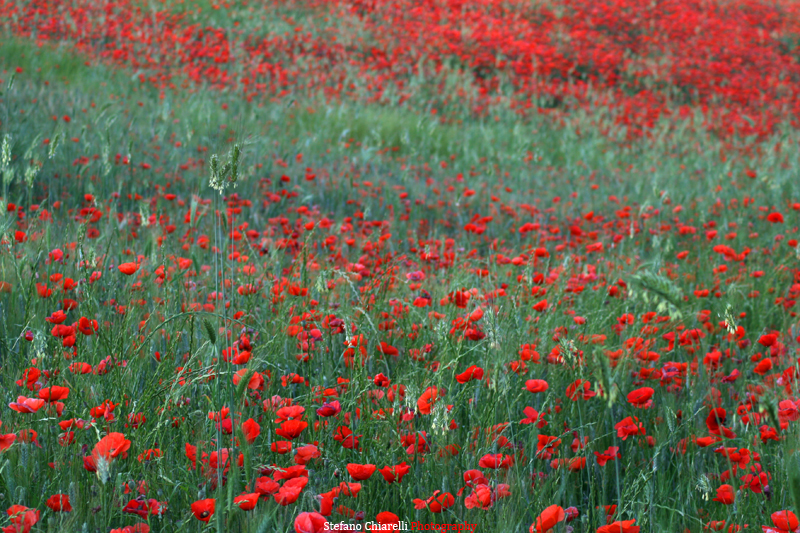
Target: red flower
x=436, y=503
x=360, y=472
x=609, y=455
x=52, y=394
x=203, y=510
x=580, y=389
x=247, y=502
x=251, y=430
x=725, y=495
x=128, y=268
x=22, y=518
x=310, y=523
x=111, y=446
x=473, y=372
x=291, y=429
x=26, y=405
x=59, y=503
x=549, y=518
x=386, y=518
x=536, y=385
x=626, y=526
x=784, y=521
x=629, y=426
x=6, y=441
x=641, y=397
x=394, y=474
x=428, y=399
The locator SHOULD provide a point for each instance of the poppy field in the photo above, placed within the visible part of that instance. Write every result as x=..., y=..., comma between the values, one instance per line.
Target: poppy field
x=454, y=265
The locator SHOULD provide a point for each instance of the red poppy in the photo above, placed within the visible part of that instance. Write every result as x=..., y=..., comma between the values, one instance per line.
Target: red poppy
x=628, y=427
x=203, y=510
x=111, y=446
x=310, y=523
x=611, y=454
x=251, y=430
x=386, y=518
x=59, y=503
x=775, y=218
x=784, y=521
x=394, y=474
x=580, y=389
x=290, y=491
x=536, y=385
x=471, y=373
x=428, y=399
x=6, y=441
x=625, y=526
x=548, y=519
x=291, y=429
x=26, y=405
x=360, y=472
x=128, y=268
x=725, y=495
x=51, y=394
x=641, y=398
x=436, y=503
x=22, y=518
x=247, y=502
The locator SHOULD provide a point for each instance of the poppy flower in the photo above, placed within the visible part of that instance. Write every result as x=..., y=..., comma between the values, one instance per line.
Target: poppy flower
x=22, y=518
x=306, y=453
x=52, y=394
x=26, y=405
x=310, y=523
x=481, y=497
x=548, y=519
x=246, y=502
x=329, y=409
x=203, y=510
x=471, y=373
x=128, y=268
x=386, y=518
x=290, y=491
x=536, y=385
x=531, y=415
x=428, y=399
x=59, y=503
x=611, y=454
x=436, y=503
x=628, y=427
x=360, y=472
x=547, y=446
x=725, y=495
x=763, y=366
x=580, y=389
x=251, y=430
x=394, y=474
x=291, y=429
x=495, y=460
x=138, y=528
x=784, y=521
x=641, y=397
x=111, y=446
x=6, y=441
x=344, y=435
x=625, y=526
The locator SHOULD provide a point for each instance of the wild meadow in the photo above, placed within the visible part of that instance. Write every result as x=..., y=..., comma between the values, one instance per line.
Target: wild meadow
x=517, y=266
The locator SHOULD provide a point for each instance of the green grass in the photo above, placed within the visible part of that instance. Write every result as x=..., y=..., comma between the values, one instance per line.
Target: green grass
x=345, y=145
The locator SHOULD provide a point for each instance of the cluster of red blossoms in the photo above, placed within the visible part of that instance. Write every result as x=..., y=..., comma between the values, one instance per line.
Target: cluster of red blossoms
x=639, y=62
x=431, y=342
